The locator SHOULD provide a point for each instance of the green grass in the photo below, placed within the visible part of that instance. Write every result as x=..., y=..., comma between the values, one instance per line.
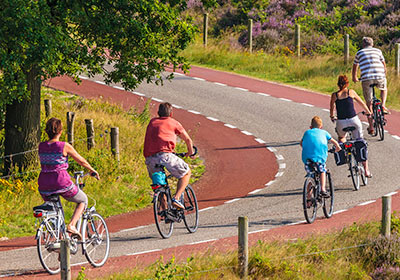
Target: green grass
x=317, y=73
x=124, y=186
x=356, y=252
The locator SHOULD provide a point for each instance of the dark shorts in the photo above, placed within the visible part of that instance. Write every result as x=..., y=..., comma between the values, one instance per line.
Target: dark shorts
x=321, y=167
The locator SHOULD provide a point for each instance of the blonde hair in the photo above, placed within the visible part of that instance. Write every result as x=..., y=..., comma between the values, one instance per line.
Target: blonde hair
x=316, y=122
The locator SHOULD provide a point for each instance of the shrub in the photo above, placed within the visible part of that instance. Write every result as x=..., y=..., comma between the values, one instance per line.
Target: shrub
x=383, y=251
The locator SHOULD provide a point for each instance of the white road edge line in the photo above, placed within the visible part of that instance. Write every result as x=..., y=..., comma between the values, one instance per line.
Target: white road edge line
x=83, y=77
x=143, y=252
x=285, y=99
x=396, y=137
x=279, y=157
x=179, y=74
x=270, y=183
x=176, y=106
x=271, y=149
x=260, y=141
x=260, y=230
x=212, y=119
x=326, y=110
x=279, y=174
x=366, y=203
x=118, y=87
x=138, y=93
x=255, y=191
x=203, y=241
x=198, y=79
x=339, y=211
x=220, y=84
x=76, y=264
x=263, y=94
x=308, y=105
x=229, y=125
x=242, y=89
x=205, y=209
x=296, y=223
x=194, y=112
x=100, y=82
x=232, y=200
x=246, y=132
x=130, y=229
x=391, y=193
x=157, y=100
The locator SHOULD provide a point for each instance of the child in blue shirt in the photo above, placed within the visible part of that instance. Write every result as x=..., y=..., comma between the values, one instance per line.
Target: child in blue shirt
x=315, y=149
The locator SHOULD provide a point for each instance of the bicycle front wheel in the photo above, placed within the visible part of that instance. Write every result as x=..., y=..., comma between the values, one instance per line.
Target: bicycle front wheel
x=310, y=200
x=160, y=206
x=191, y=214
x=95, y=239
x=328, y=202
x=48, y=246
x=364, y=179
x=354, y=172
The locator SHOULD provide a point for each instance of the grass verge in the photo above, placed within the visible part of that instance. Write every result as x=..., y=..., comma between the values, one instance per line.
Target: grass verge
x=124, y=185
x=316, y=73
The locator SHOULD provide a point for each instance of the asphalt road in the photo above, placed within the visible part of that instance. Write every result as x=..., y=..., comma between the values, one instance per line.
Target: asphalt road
x=280, y=123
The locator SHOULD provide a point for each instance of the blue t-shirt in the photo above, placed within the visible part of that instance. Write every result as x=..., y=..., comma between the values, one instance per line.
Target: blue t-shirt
x=315, y=145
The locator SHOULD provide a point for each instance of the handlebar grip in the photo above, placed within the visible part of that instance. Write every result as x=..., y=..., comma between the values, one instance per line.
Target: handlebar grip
x=183, y=154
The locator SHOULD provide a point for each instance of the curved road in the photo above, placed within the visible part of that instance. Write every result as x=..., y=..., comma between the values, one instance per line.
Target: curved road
x=275, y=117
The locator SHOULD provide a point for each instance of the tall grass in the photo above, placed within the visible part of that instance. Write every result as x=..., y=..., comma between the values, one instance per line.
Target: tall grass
x=124, y=185
x=316, y=73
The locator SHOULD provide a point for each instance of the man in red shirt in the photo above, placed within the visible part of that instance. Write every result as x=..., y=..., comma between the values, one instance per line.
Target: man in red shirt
x=159, y=147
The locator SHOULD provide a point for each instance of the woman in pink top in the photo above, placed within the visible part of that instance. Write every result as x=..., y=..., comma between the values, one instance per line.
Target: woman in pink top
x=54, y=177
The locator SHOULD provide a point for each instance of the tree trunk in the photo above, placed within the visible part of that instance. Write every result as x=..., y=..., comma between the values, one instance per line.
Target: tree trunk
x=22, y=127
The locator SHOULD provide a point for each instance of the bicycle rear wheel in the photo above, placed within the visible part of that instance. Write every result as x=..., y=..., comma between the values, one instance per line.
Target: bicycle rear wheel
x=95, y=239
x=380, y=122
x=160, y=205
x=354, y=172
x=48, y=246
x=310, y=199
x=191, y=217
x=328, y=202
x=375, y=118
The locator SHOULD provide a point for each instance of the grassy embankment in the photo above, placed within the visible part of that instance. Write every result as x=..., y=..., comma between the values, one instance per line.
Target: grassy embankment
x=317, y=73
x=123, y=187
x=356, y=252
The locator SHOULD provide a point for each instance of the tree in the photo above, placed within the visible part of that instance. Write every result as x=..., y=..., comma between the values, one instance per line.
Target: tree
x=40, y=39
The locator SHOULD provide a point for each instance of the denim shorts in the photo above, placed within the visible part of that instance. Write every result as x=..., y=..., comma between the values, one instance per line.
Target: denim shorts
x=174, y=164
x=321, y=167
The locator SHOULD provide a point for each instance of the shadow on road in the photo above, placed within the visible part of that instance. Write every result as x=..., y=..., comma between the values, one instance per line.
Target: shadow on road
x=266, y=145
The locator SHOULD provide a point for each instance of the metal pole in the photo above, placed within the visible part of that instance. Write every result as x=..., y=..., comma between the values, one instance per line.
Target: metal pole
x=297, y=40
x=250, y=34
x=115, y=142
x=386, y=214
x=346, y=49
x=47, y=107
x=65, y=262
x=70, y=127
x=243, y=253
x=205, y=29
x=89, y=133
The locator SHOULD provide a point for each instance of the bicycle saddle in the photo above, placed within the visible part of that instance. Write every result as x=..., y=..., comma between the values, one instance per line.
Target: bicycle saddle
x=44, y=207
x=350, y=128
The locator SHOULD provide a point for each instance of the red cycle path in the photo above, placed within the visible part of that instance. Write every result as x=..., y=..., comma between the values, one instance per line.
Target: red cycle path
x=226, y=151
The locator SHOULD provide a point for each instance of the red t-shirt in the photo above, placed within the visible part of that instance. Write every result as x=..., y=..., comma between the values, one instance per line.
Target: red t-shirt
x=161, y=135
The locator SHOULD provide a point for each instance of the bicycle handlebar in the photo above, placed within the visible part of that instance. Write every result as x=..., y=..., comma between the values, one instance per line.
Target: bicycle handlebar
x=183, y=154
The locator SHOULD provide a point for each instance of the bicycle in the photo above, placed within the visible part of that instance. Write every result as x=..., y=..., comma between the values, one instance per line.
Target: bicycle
x=165, y=214
x=356, y=168
x=377, y=115
x=312, y=197
x=52, y=229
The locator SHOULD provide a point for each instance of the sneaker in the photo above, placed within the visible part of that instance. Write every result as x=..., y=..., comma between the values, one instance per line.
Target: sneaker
x=177, y=204
x=325, y=194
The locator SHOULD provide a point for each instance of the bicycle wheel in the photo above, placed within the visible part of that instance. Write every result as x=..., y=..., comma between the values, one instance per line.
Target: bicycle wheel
x=310, y=200
x=380, y=121
x=354, y=172
x=375, y=117
x=48, y=246
x=364, y=179
x=164, y=225
x=328, y=202
x=95, y=239
x=191, y=214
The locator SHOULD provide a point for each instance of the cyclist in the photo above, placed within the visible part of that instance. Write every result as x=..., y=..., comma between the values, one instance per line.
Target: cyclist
x=343, y=100
x=373, y=71
x=315, y=149
x=159, y=145
x=54, y=178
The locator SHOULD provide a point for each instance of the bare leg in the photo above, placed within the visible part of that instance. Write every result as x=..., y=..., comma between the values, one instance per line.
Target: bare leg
x=342, y=139
x=182, y=183
x=323, y=182
x=370, y=119
x=77, y=214
x=366, y=169
x=384, y=97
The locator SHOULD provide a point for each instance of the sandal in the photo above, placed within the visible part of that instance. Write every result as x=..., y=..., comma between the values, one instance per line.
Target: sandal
x=371, y=131
x=369, y=175
x=385, y=110
x=177, y=204
x=74, y=232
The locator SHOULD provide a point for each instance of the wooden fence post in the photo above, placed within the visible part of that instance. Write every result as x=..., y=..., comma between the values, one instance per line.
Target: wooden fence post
x=47, y=107
x=346, y=51
x=205, y=29
x=243, y=253
x=386, y=215
x=65, y=262
x=89, y=133
x=297, y=40
x=397, y=59
x=115, y=142
x=250, y=35
x=70, y=127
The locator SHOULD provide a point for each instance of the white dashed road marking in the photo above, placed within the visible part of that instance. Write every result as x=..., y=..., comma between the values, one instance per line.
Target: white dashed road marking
x=246, y=132
x=143, y=252
x=232, y=200
x=285, y=99
x=203, y=241
x=229, y=125
x=212, y=119
x=220, y=84
x=260, y=141
x=194, y=112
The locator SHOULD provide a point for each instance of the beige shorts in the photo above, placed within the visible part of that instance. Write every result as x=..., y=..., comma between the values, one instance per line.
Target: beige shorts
x=174, y=164
x=367, y=90
x=354, y=121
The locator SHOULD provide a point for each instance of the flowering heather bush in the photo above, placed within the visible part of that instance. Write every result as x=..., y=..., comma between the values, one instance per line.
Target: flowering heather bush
x=384, y=273
x=383, y=252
